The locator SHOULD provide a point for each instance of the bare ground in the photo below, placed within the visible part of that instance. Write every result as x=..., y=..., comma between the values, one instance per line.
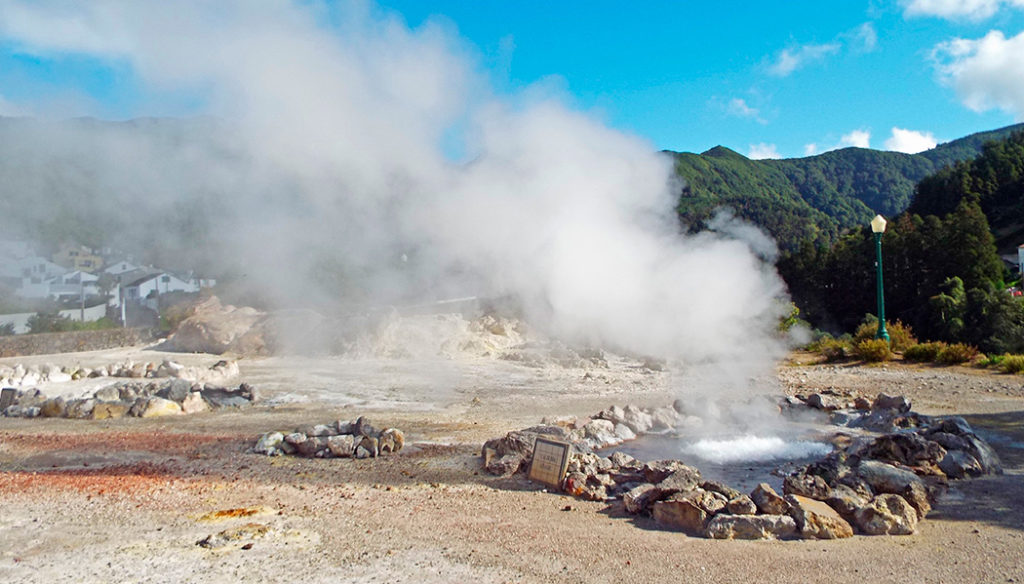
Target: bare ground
x=128, y=500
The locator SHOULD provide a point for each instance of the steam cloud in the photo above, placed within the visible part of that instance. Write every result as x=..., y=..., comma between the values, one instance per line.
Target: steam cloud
x=317, y=151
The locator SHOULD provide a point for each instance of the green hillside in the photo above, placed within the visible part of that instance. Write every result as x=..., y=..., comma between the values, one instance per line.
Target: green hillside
x=817, y=197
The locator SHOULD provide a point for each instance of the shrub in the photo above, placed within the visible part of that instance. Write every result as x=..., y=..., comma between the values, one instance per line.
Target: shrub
x=6, y=329
x=957, y=353
x=901, y=336
x=924, y=352
x=1013, y=364
x=873, y=350
x=833, y=349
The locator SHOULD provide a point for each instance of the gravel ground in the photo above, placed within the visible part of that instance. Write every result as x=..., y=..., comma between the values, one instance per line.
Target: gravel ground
x=129, y=500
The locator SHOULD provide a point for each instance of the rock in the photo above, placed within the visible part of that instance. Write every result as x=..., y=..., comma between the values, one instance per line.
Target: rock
x=269, y=444
x=107, y=394
x=53, y=408
x=885, y=478
x=751, y=527
x=887, y=514
x=213, y=328
x=816, y=520
x=806, y=485
x=663, y=419
x=366, y=447
x=680, y=480
x=80, y=408
x=681, y=514
x=222, y=397
x=170, y=368
x=824, y=402
x=845, y=501
x=624, y=433
x=391, y=440
x=917, y=496
x=176, y=390
x=341, y=445
x=640, y=498
x=717, y=487
x=344, y=427
x=623, y=460
x=768, y=501
x=741, y=505
x=312, y=446
x=862, y=403
x=295, y=438
x=906, y=448
x=983, y=453
x=194, y=403
x=505, y=465
x=600, y=433
x=110, y=410
x=637, y=420
x=158, y=406
x=519, y=443
x=656, y=471
x=897, y=403
x=321, y=430
x=958, y=464
x=363, y=427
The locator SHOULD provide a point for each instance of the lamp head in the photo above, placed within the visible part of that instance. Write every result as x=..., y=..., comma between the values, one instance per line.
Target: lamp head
x=878, y=224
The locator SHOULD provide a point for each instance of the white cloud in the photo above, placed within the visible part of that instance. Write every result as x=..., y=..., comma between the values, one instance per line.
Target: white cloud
x=866, y=36
x=789, y=60
x=739, y=107
x=958, y=9
x=986, y=73
x=910, y=141
x=810, y=149
x=762, y=151
x=857, y=139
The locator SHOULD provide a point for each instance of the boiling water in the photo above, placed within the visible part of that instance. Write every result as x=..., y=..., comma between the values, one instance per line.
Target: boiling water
x=740, y=461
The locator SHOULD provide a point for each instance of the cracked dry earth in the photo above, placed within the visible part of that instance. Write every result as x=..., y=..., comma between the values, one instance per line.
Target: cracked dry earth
x=183, y=500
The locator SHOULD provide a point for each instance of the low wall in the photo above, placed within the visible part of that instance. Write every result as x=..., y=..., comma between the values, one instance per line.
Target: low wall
x=70, y=342
x=20, y=320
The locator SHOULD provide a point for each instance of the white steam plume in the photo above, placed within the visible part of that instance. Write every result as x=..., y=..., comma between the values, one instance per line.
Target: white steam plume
x=326, y=157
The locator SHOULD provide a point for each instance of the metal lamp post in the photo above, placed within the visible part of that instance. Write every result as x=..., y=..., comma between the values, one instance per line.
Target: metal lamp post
x=878, y=227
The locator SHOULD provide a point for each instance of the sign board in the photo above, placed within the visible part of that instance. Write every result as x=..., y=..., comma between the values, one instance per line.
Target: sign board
x=550, y=460
x=7, y=397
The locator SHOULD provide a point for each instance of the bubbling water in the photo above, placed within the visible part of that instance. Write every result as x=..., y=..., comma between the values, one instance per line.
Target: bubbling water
x=750, y=448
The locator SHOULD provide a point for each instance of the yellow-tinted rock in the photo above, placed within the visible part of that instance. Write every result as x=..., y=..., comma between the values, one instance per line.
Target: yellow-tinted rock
x=158, y=406
x=106, y=410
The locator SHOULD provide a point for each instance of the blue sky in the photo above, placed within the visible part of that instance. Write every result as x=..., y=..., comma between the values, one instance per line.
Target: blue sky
x=766, y=79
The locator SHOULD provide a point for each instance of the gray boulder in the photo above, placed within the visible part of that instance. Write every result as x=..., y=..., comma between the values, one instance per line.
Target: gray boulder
x=751, y=527
x=816, y=520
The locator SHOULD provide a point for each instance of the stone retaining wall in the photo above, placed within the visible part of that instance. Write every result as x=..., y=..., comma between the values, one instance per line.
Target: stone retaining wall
x=70, y=342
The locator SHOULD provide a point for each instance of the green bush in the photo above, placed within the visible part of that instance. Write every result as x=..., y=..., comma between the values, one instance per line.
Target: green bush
x=873, y=350
x=901, y=337
x=1012, y=363
x=924, y=352
x=833, y=349
x=6, y=329
x=957, y=353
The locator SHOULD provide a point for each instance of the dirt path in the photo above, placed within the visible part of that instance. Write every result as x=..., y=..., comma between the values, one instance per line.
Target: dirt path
x=128, y=500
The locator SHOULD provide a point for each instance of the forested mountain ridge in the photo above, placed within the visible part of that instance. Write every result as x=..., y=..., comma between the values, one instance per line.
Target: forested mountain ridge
x=816, y=197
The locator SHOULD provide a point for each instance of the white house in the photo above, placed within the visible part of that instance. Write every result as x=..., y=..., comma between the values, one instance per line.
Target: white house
x=118, y=268
x=153, y=284
x=73, y=285
x=36, y=273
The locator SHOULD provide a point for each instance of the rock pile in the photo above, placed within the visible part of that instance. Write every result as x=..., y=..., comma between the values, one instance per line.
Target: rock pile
x=611, y=427
x=875, y=485
x=21, y=376
x=144, y=400
x=341, y=439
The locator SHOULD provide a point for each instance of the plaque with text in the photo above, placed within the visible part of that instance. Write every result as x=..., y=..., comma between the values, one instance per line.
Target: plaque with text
x=550, y=459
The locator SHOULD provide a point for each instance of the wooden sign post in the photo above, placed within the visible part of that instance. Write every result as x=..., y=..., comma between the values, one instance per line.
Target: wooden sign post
x=550, y=461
